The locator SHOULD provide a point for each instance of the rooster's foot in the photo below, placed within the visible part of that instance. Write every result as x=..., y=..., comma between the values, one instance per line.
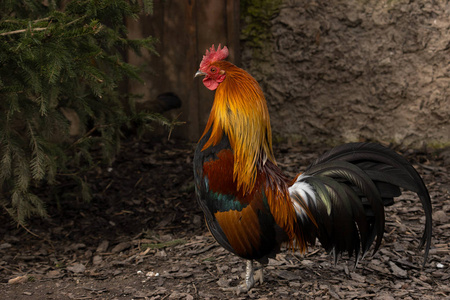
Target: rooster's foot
x=249, y=281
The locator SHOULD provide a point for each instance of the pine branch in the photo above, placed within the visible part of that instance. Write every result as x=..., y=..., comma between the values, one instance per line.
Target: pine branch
x=23, y=30
x=69, y=59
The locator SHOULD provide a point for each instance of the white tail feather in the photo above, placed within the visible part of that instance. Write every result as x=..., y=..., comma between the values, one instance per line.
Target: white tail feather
x=305, y=191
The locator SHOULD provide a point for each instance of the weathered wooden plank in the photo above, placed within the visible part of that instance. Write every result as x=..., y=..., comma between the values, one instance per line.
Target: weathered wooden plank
x=185, y=29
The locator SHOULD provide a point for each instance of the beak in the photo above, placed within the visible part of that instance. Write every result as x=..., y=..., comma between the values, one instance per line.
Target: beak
x=199, y=73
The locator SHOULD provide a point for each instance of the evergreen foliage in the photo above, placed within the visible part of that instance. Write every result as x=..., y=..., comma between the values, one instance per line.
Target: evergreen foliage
x=61, y=65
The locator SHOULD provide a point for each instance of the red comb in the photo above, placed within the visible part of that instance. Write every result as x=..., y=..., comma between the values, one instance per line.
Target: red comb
x=213, y=55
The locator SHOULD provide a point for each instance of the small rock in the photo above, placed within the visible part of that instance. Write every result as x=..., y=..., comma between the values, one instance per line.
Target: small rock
x=152, y=274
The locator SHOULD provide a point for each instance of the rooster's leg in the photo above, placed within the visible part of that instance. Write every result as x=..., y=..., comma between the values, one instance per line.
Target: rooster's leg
x=249, y=281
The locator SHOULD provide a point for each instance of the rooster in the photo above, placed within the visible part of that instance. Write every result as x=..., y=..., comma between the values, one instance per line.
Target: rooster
x=251, y=208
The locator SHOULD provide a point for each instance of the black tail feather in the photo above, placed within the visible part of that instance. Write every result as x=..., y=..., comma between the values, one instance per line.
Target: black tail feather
x=356, y=181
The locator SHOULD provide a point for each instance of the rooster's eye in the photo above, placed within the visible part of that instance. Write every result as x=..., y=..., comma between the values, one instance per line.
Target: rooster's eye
x=213, y=70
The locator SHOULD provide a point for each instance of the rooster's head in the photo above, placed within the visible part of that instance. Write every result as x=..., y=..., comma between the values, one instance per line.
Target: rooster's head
x=208, y=67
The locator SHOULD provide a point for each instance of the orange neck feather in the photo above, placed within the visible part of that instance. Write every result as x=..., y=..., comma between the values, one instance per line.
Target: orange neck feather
x=240, y=111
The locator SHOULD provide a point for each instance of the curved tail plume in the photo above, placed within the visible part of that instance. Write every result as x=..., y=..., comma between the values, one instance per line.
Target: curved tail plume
x=346, y=190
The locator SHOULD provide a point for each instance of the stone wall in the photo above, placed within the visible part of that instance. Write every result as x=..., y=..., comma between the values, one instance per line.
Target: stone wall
x=341, y=71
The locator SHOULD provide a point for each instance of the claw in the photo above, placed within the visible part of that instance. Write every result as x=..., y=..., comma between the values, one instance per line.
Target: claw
x=242, y=288
x=259, y=275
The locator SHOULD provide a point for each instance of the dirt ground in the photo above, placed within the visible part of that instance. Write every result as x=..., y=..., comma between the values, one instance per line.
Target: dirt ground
x=143, y=237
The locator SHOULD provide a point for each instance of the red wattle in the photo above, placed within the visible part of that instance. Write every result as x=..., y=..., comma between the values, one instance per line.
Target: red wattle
x=211, y=84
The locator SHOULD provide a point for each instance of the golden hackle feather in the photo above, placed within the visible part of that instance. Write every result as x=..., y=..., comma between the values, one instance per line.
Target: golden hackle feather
x=240, y=111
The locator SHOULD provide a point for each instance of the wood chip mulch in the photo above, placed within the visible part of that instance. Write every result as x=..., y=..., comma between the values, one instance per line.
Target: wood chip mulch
x=143, y=237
